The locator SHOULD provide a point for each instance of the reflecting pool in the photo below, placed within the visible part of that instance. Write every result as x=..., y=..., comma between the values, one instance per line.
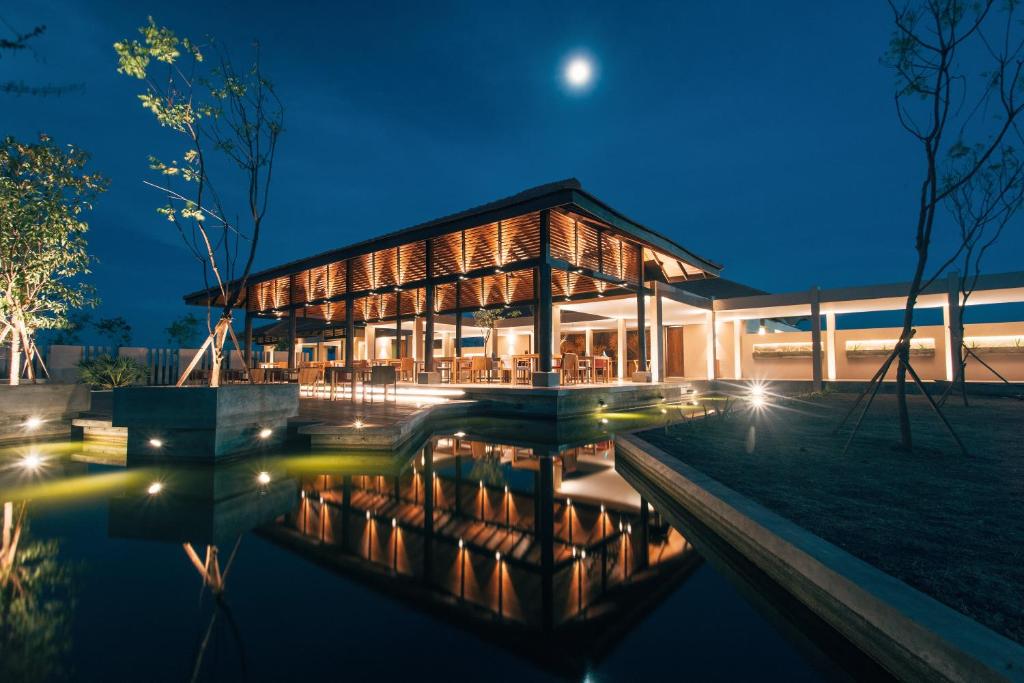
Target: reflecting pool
x=488, y=554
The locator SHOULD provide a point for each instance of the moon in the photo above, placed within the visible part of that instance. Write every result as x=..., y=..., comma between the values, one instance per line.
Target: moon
x=579, y=72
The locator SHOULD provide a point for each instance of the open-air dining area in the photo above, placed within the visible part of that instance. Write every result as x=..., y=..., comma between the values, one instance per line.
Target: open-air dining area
x=549, y=287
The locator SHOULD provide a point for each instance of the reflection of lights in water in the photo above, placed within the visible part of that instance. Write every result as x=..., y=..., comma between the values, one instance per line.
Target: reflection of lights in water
x=32, y=461
x=751, y=441
x=263, y=478
x=604, y=420
x=155, y=488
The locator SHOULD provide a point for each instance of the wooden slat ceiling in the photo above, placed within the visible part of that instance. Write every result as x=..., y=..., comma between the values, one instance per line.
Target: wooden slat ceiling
x=575, y=239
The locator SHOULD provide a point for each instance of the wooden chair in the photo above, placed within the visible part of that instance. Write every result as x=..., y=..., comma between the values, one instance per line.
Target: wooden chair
x=570, y=368
x=523, y=371
x=407, y=369
x=259, y=375
x=383, y=375
x=478, y=368
x=602, y=369
x=309, y=378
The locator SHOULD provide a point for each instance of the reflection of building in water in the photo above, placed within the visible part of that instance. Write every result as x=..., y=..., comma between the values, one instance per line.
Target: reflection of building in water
x=493, y=530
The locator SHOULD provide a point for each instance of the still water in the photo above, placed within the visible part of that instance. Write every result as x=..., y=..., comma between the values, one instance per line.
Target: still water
x=463, y=557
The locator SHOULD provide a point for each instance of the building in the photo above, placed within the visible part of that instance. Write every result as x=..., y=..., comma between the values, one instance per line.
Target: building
x=581, y=278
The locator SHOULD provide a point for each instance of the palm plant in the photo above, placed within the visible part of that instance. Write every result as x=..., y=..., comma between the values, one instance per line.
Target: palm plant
x=106, y=372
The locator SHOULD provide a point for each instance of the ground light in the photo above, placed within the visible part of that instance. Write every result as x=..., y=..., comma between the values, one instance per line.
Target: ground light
x=155, y=488
x=263, y=478
x=33, y=423
x=265, y=433
x=156, y=443
x=31, y=462
x=758, y=397
x=358, y=424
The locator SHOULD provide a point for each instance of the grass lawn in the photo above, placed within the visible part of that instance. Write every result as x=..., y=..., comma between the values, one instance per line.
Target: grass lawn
x=949, y=525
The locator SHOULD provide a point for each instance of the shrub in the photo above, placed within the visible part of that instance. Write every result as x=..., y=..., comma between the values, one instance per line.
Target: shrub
x=106, y=372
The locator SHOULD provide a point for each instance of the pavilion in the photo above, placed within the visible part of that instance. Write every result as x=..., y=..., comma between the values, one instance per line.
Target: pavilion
x=582, y=277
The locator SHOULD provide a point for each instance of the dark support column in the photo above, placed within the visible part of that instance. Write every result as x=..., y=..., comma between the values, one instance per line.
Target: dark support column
x=543, y=279
x=816, y=339
x=350, y=332
x=544, y=312
x=247, y=349
x=291, y=338
x=350, y=327
x=428, y=511
x=398, y=324
x=428, y=342
x=545, y=533
x=458, y=334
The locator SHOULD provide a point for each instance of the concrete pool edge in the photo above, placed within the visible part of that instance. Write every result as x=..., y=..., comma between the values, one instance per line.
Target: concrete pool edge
x=911, y=634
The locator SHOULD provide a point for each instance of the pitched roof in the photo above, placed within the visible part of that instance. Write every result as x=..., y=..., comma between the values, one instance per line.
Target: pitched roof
x=548, y=195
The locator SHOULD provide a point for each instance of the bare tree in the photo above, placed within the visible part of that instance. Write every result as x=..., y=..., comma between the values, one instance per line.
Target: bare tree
x=963, y=119
x=981, y=208
x=218, y=110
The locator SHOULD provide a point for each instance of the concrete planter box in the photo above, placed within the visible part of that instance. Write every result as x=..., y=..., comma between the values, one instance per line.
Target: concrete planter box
x=54, y=405
x=201, y=423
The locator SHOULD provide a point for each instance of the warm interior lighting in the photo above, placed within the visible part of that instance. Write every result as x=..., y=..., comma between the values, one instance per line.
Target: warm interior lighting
x=367, y=515
x=459, y=435
x=461, y=544
x=497, y=556
x=888, y=344
x=263, y=478
x=155, y=488
x=265, y=433
x=394, y=522
x=156, y=443
x=33, y=423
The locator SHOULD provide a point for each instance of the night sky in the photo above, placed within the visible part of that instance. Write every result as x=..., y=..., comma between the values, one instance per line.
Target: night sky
x=760, y=135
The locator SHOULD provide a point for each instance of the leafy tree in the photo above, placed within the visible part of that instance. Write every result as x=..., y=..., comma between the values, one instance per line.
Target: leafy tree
x=35, y=603
x=488, y=318
x=44, y=196
x=183, y=332
x=115, y=330
x=229, y=121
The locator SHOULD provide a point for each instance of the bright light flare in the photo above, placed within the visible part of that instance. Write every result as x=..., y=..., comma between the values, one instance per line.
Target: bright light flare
x=155, y=488
x=33, y=423
x=263, y=478
x=156, y=443
x=265, y=433
x=32, y=462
